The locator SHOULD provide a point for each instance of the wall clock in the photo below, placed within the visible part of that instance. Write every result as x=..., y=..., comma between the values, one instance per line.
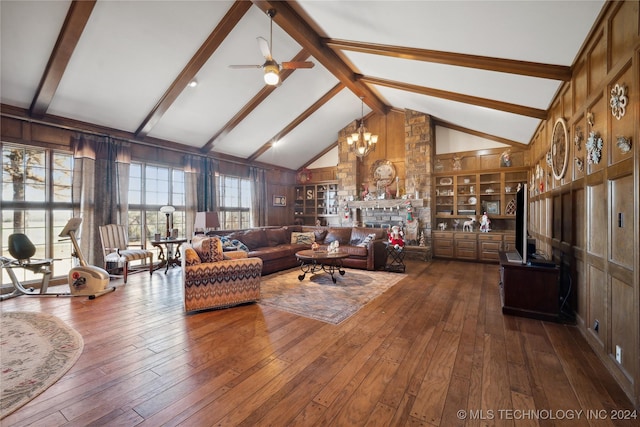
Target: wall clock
x=383, y=172
x=559, y=148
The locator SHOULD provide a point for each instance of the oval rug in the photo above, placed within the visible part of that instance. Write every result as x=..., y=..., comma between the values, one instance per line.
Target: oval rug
x=36, y=350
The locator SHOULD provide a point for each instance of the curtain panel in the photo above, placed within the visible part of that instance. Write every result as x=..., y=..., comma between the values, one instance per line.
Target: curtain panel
x=258, y=196
x=191, y=173
x=207, y=197
x=100, y=188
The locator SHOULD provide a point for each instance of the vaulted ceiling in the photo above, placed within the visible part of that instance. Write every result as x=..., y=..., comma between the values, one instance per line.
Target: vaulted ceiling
x=488, y=68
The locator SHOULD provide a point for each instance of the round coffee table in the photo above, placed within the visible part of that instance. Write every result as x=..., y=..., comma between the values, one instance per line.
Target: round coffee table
x=312, y=261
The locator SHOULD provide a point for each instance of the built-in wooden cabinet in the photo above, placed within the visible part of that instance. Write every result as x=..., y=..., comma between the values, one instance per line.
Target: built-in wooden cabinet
x=466, y=246
x=471, y=246
x=489, y=246
x=442, y=244
x=316, y=202
x=463, y=194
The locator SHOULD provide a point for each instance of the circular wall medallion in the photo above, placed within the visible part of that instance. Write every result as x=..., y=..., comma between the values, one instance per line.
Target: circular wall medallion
x=559, y=148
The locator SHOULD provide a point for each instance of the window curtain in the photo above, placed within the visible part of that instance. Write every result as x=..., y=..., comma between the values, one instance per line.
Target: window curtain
x=207, y=194
x=258, y=196
x=191, y=173
x=100, y=188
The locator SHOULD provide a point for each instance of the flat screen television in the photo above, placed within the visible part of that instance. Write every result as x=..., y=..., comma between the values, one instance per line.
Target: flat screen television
x=522, y=206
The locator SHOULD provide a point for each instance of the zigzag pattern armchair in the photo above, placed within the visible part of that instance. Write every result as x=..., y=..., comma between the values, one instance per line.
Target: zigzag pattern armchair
x=213, y=279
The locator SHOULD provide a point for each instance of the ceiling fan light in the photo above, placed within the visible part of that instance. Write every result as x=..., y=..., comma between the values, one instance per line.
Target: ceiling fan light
x=271, y=74
x=271, y=78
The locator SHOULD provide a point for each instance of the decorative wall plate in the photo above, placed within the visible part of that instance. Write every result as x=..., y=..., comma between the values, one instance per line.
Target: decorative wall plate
x=618, y=101
x=446, y=181
x=559, y=148
x=594, y=147
x=624, y=144
x=472, y=200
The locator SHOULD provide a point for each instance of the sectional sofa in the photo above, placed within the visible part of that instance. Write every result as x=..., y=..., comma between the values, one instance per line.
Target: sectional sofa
x=277, y=246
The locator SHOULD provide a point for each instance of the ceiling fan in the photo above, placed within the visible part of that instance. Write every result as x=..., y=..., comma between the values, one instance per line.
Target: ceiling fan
x=271, y=67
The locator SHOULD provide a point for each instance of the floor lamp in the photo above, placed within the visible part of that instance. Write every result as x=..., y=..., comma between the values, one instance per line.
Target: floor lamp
x=206, y=221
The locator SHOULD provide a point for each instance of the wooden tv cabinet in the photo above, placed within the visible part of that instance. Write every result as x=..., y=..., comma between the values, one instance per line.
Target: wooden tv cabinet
x=529, y=291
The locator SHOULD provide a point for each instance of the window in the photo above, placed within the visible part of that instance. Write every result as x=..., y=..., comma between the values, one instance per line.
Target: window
x=36, y=201
x=150, y=188
x=234, y=202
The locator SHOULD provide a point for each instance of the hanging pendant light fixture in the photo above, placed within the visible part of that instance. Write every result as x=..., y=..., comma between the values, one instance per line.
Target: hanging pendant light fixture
x=363, y=142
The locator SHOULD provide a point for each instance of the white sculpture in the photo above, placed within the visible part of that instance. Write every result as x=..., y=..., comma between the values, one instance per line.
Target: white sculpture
x=468, y=225
x=484, y=223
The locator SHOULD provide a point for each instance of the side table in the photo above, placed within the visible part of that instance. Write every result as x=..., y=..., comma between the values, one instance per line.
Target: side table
x=395, y=259
x=172, y=257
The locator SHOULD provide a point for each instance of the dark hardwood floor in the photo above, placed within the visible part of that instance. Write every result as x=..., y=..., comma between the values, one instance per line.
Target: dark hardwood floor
x=434, y=350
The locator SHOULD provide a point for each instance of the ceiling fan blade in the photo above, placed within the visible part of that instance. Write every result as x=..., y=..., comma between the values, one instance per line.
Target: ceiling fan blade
x=263, y=44
x=244, y=66
x=298, y=64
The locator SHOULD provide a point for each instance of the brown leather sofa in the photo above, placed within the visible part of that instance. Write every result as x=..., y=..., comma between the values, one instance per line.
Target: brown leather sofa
x=277, y=246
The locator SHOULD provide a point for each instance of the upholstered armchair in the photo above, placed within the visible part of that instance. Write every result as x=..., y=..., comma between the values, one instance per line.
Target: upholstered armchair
x=116, y=248
x=216, y=279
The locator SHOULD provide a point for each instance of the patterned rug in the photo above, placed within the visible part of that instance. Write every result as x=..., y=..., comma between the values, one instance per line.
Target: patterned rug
x=36, y=350
x=317, y=297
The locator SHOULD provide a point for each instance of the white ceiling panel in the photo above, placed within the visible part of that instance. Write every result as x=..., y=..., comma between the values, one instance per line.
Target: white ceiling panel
x=29, y=30
x=505, y=125
x=129, y=54
x=524, y=30
x=285, y=104
x=511, y=88
x=316, y=134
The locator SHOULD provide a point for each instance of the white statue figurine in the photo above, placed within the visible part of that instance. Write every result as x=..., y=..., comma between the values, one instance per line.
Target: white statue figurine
x=484, y=223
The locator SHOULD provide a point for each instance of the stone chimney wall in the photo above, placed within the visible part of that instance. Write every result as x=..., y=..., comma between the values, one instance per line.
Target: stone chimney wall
x=419, y=154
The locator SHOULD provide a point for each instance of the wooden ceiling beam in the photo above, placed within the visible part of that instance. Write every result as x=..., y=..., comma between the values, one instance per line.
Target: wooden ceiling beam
x=458, y=97
x=303, y=33
x=74, y=24
x=303, y=55
x=301, y=118
x=511, y=66
x=188, y=73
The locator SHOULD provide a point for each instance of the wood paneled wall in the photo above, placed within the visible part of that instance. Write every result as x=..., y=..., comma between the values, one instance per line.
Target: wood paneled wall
x=588, y=220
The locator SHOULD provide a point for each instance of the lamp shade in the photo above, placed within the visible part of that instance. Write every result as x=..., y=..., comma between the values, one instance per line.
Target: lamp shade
x=206, y=220
x=167, y=210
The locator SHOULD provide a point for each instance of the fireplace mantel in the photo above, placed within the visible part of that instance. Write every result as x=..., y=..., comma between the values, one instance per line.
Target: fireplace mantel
x=386, y=203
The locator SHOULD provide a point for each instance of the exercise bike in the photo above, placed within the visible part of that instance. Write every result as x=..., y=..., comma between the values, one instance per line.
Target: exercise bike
x=84, y=280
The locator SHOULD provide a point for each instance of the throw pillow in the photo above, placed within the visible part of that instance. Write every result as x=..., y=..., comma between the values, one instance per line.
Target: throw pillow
x=191, y=257
x=226, y=242
x=367, y=239
x=302, y=238
x=209, y=249
x=241, y=246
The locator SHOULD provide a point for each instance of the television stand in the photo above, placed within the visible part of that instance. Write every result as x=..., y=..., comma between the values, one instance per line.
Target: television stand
x=529, y=290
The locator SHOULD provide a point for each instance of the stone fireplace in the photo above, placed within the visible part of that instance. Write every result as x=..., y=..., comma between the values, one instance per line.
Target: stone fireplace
x=419, y=151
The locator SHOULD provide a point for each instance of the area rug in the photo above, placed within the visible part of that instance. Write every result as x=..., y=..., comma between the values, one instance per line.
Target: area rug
x=36, y=350
x=317, y=297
